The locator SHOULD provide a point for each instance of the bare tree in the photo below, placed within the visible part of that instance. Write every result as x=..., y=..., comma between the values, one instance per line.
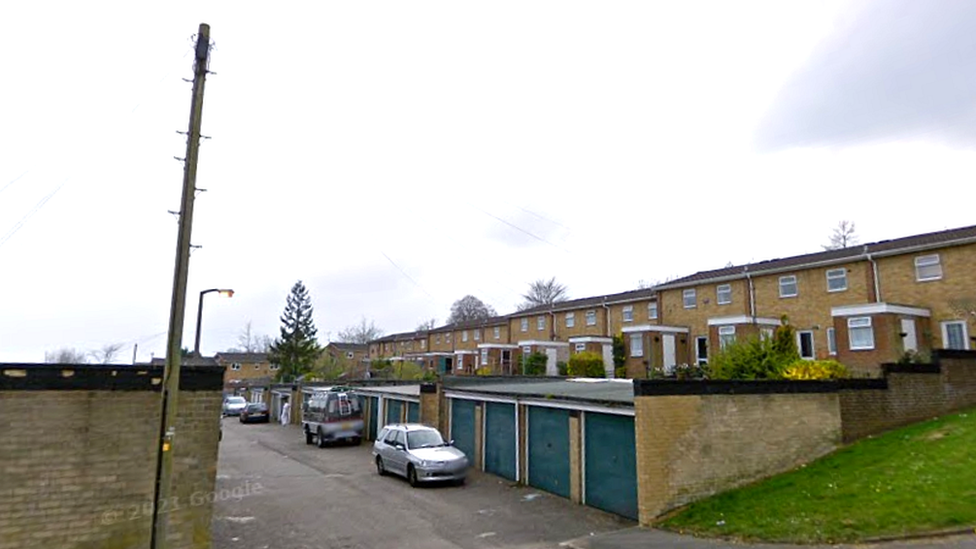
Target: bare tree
x=843, y=236
x=543, y=292
x=66, y=355
x=426, y=325
x=470, y=307
x=249, y=342
x=107, y=354
x=364, y=332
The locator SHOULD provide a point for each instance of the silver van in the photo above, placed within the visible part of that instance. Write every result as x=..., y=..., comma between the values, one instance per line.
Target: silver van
x=333, y=415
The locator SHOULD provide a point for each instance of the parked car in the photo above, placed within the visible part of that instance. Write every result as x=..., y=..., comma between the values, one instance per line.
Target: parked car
x=332, y=415
x=234, y=405
x=256, y=412
x=419, y=453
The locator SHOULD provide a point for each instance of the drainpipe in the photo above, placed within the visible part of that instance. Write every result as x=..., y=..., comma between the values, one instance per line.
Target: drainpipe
x=552, y=328
x=874, y=273
x=752, y=294
x=609, y=331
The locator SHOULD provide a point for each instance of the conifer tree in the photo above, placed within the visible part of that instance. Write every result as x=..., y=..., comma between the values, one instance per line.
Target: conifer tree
x=297, y=349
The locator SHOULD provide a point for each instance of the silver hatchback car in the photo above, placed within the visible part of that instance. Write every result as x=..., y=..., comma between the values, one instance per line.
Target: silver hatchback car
x=418, y=453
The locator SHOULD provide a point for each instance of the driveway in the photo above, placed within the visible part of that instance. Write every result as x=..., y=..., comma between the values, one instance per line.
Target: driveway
x=276, y=492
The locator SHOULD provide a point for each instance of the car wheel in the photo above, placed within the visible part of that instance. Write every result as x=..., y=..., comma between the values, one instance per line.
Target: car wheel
x=412, y=476
x=380, y=469
x=357, y=441
x=308, y=436
x=459, y=482
x=321, y=439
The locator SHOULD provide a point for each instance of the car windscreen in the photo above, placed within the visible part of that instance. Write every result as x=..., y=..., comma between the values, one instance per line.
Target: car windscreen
x=235, y=400
x=256, y=407
x=424, y=439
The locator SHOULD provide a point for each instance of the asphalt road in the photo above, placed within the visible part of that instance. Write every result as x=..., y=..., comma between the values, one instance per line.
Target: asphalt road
x=276, y=492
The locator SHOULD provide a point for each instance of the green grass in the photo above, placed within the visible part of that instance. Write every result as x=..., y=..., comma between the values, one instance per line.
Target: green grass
x=913, y=480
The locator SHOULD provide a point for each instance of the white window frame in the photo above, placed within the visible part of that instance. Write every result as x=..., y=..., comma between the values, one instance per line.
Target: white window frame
x=527, y=350
x=525, y=324
x=836, y=274
x=652, y=310
x=784, y=281
x=464, y=336
x=484, y=356
x=477, y=335
x=350, y=354
x=636, y=345
x=698, y=358
x=540, y=323
x=275, y=367
x=437, y=339
x=591, y=317
x=860, y=323
x=945, y=333
x=497, y=332
x=423, y=343
x=726, y=336
x=570, y=320
x=799, y=344
x=628, y=313
x=723, y=290
x=928, y=261
x=236, y=366
x=580, y=347
x=831, y=341
x=689, y=298
x=766, y=333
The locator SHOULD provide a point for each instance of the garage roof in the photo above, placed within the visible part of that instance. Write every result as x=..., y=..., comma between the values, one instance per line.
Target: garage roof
x=620, y=391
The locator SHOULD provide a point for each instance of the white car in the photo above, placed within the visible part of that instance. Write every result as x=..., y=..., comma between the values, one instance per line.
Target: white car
x=234, y=405
x=418, y=453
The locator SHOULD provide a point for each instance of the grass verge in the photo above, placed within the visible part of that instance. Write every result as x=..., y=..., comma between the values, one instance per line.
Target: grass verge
x=913, y=480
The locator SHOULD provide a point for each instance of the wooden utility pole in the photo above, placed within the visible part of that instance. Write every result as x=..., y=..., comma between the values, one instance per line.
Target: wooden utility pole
x=171, y=378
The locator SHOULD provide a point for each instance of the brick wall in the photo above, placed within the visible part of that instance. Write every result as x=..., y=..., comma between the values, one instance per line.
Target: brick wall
x=690, y=446
x=78, y=456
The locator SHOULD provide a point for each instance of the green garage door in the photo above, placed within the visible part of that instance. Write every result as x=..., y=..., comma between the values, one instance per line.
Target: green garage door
x=610, y=481
x=462, y=426
x=413, y=412
x=374, y=417
x=549, y=450
x=393, y=408
x=500, y=439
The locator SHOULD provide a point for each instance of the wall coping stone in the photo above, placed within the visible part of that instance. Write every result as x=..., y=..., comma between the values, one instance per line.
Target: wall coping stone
x=104, y=377
x=665, y=387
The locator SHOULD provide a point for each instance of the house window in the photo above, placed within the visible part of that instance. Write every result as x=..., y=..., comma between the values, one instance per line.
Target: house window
x=629, y=313
x=349, y=354
x=257, y=366
x=652, y=310
x=526, y=351
x=954, y=335
x=540, y=323
x=726, y=336
x=831, y=341
x=437, y=339
x=580, y=347
x=570, y=320
x=525, y=324
x=701, y=349
x=447, y=339
x=636, y=345
x=928, y=267
x=464, y=335
x=804, y=341
x=787, y=286
x=836, y=280
x=235, y=366
x=723, y=294
x=690, y=298
x=275, y=367
x=484, y=356
x=497, y=332
x=477, y=335
x=423, y=343
x=860, y=333
x=766, y=334
x=591, y=318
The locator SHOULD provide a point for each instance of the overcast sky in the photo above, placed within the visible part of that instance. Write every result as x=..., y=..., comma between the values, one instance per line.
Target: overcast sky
x=396, y=156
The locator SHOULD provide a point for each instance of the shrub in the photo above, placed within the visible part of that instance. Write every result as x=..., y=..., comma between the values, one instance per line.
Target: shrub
x=483, y=371
x=691, y=371
x=534, y=364
x=816, y=369
x=619, y=351
x=562, y=368
x=758, y=357
x=586, y=364
x=620, y=372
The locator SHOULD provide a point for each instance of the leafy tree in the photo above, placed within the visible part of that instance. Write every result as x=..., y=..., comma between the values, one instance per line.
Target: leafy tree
x=362, y=333
x=843, y=236
x=543, y=292
x=297, y=348
x=470, y=307
x=757, y=358
x=586, y=364
x=327, y=368
x=66, y=355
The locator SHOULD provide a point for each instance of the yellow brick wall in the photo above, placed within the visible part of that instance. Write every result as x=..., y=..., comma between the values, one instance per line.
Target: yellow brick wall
x=690, y=447
x=617, y=315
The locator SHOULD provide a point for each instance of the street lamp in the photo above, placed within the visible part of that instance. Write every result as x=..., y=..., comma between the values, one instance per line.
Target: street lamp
x=225, y=293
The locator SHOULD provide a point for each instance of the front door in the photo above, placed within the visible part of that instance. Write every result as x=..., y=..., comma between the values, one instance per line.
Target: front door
x=667, y=341
x=909, y=339
x=551, y=368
